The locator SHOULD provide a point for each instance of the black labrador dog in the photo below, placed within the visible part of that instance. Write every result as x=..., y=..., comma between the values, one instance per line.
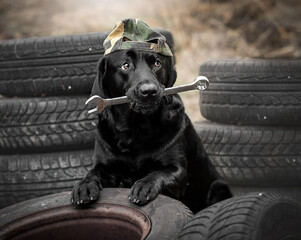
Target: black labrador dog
x=149, y=145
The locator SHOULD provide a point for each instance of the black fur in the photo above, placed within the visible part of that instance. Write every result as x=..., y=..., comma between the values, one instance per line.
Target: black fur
x=149, y=145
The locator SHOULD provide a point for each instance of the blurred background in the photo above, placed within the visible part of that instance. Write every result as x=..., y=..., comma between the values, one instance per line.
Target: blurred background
x=202, y=29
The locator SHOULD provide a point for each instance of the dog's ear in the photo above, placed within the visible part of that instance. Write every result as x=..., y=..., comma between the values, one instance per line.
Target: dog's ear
x=172, y=74
x=98, y=85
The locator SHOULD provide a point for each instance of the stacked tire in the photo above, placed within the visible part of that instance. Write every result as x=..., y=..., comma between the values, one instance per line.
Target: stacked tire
x=254, y=216
x=253, y=135
x=110, y=217
x=46, y=134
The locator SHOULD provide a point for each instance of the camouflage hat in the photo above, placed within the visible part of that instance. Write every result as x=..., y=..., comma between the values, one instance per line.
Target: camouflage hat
x=133, y=33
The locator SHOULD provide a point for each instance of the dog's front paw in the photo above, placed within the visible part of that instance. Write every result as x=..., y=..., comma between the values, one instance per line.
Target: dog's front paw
x=144, y=191
x=85, y=192
x=218, y=191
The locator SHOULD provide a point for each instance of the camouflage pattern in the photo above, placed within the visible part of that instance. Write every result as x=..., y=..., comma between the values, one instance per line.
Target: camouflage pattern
x=133, y=33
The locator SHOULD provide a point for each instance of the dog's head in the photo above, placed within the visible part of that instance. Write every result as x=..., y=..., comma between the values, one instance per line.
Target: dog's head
x=137, y=63
x=141, y=76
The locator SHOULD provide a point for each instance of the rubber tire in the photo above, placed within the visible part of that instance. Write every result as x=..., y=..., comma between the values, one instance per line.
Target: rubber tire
x=26, y=176
x=51, y=66
x=45, y=124
x=167, y=215
x=257, y=216
x=264, y=157
x=252, y=91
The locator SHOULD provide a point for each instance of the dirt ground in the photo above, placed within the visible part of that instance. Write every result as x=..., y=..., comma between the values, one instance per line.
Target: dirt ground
x=202, y=29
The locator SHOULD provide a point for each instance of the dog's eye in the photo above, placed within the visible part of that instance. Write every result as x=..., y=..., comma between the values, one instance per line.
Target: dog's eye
x=157, y=64
x=125, y=66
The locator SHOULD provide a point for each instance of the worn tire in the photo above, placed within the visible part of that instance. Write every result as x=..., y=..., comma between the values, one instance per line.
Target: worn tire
x=36, y=217
x=45, y=124
x=252, y=91
x=260, y=157
x=257, y=216
x=51, y=66
x=26, y=176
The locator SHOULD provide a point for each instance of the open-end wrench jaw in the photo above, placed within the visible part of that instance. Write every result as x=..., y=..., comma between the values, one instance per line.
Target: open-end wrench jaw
x=99, y=102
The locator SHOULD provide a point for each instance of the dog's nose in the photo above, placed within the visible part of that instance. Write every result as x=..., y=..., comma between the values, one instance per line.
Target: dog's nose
x=148, y=90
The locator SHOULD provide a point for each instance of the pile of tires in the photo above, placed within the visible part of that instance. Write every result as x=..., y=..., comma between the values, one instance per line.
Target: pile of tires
x=46, y=133
x=253, y=134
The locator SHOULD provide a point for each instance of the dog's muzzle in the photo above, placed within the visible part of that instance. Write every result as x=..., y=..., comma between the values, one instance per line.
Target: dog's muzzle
x=145, y=97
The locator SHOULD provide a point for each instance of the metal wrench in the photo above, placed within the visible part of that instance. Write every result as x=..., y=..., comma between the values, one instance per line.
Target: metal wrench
x=201, y=83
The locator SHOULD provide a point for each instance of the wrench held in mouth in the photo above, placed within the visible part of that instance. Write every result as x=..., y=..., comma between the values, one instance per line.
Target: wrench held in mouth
x=201, y=83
